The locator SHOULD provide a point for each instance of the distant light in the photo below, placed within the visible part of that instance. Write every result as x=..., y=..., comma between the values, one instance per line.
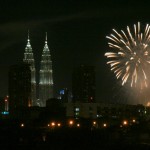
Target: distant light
x=148, y=104
x=98, y=116
x=44, y=138
x=59, y=124
x=77, y=109
x=105, y=125
x=5, y=113
x=29, y=104
x=22, y=125
x=94, y=122
x=133, y=120
x=62, y=92
x=78, y=125
x=71, y=122
x=125, y=122
x=53, y=124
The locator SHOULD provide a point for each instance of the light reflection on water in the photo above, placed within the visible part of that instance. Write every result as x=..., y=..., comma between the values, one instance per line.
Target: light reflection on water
x=44, y=137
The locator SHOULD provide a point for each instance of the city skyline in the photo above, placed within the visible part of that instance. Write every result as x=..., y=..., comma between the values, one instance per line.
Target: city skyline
x=76, y=35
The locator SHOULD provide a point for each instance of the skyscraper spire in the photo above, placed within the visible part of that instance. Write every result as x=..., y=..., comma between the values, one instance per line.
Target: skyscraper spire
x=28, y=46
x=46, y=38
x=29, y=58
x=46, y=77
x=28, y=36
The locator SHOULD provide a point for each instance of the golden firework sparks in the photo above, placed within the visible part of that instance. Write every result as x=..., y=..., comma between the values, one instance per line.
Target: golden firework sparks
x=130, y=58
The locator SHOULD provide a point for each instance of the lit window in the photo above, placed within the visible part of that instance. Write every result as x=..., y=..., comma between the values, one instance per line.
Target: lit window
x=77, y=109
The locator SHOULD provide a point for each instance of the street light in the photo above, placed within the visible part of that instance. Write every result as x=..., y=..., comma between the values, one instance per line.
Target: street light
x=125, y=122
x=71, y=122
x=104, y=125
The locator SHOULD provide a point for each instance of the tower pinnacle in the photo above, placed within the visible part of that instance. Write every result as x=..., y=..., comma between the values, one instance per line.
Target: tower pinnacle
x=46, y=38
x=28, y=37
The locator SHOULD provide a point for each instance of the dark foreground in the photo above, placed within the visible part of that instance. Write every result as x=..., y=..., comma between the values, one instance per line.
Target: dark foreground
x=73, y=139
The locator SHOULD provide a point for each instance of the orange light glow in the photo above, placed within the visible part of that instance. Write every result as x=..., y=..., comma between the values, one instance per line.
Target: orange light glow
x=58, y=124
x=125, y=122
x=53, y=124
x=71, y=122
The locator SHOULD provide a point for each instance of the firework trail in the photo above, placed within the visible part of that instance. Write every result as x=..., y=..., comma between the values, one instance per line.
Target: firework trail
x=130, y=58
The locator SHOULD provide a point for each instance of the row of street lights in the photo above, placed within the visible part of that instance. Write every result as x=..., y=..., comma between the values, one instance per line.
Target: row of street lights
x=95, y=124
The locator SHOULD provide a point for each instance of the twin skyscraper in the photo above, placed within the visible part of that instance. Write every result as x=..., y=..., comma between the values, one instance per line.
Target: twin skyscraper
x=45, y=74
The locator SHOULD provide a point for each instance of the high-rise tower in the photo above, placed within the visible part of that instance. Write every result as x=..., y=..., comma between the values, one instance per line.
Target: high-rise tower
x=19, y=88
x=29, y=58
x=46, y=77
x=83, y=84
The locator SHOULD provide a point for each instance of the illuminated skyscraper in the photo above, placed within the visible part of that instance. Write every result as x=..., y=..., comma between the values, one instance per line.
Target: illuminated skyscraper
x=45, y=76
x=29, y=58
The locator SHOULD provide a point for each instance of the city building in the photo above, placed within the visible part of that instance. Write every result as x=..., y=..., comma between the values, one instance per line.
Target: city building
x=83, y=84
x=106, y=111
x=19, y=87
x=29, y=58
x=4, y=107
x=64, y=95
x=45, y=76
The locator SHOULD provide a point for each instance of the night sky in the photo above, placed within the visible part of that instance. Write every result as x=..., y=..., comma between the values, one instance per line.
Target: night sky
x=77, y=33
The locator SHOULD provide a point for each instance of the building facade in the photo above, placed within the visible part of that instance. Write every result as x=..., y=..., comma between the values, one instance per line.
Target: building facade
x=83, y=84
x=64, y=95
x=29, y=58
x=45, y=76
x=105, y=111
x=19, y=87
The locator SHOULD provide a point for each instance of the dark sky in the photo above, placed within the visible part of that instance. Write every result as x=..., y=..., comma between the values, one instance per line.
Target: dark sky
x=76, y=35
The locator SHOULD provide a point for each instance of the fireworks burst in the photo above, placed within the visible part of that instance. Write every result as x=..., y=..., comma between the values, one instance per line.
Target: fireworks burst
x=130, y=59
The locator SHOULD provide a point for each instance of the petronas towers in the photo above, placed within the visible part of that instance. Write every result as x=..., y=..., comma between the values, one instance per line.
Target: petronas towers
x=45, y=75
x=46, y=78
